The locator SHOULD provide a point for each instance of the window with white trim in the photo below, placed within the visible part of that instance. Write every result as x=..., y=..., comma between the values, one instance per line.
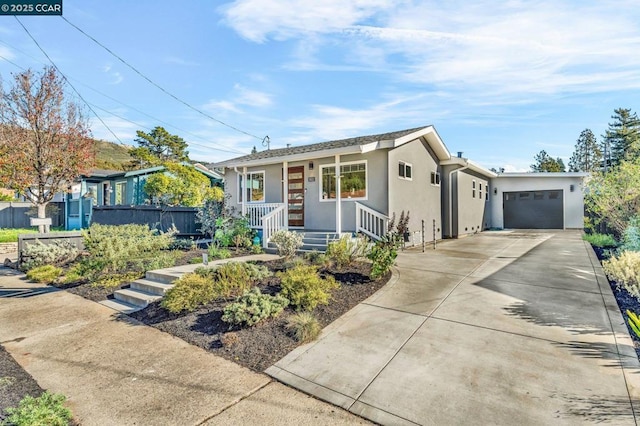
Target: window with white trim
x=353, y=181
x=435, y=178
x=253, y=191
x=405, y=170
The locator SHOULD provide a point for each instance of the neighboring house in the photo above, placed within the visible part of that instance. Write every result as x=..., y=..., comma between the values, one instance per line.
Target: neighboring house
x=377, y=176
x=113, y=187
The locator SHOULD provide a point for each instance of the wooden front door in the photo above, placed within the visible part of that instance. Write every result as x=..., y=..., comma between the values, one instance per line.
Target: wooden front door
x=295, y=195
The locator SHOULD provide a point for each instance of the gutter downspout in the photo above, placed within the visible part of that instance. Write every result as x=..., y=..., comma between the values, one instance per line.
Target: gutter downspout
x=450, y=183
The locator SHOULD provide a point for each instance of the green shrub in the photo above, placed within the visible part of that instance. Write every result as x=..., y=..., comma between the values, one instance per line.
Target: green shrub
x=316, y=257
x=57, y=253
x=347, y=250
x=634, y=322
x=44, y=274
x=46, y=410
x=182, y=244
x=253, y=307
x=287, y=242
x=631, y=235
x=383, y=255
x=600, y=240
x=304, y=327
x=218, y=253
x=131, y=248
x=624, y=269
x=195, y=260
x=190, y=291
x=232, y=279
x=304, y=288
x=256, y=249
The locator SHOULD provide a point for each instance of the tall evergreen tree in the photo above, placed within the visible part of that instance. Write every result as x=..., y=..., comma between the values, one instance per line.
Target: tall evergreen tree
x=545, y=163
x=158, y=147
x=622, y=138
x=587, y=156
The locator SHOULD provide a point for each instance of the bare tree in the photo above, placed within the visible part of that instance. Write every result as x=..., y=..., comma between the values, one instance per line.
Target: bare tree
x=44, y=137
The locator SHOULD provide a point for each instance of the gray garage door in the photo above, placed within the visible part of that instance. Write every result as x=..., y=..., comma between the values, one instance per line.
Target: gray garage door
x=533, y=209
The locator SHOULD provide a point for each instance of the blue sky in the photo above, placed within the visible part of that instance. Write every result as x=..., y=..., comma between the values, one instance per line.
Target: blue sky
x=500, y=81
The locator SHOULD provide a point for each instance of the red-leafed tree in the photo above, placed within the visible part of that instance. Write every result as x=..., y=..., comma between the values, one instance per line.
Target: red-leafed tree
x=44, y=137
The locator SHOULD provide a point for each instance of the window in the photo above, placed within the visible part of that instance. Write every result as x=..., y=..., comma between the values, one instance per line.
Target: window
x=473, y=187
x=353, y=181
x=404, y=170
x=121, y=193
x=253, y=191
x=435, y=178
x=92, y=192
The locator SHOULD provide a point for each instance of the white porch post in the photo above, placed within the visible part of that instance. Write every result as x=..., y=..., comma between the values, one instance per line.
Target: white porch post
x=285, y=192
x=338, y=198
x=243, y=189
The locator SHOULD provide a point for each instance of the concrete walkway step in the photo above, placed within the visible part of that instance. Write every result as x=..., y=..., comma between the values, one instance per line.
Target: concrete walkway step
x=151, y=286
x=120, y=306
x=135, y=297
x=163, y=276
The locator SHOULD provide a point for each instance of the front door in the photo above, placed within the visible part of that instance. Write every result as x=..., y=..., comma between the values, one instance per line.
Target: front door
x=296, y=195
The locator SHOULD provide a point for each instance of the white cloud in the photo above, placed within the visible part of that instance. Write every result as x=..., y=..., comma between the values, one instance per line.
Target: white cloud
x=116, y=76
x=486, y=50
x=175, y=60
x=240, y=96
x=257, y=20
x=124, y=130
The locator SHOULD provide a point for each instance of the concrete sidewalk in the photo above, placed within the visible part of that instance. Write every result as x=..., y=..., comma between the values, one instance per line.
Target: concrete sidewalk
x=497, y=328
x=120, y=372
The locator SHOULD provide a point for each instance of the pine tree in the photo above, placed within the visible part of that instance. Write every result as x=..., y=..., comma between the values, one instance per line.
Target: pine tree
x=623, y=136
x=587, y=156
x=545, y=163
x=158, y=147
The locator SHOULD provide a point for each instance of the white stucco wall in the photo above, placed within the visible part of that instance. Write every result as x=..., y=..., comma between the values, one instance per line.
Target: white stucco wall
x=573, y=201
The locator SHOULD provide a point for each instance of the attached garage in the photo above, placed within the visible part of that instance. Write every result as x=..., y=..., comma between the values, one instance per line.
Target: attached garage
x=534, y=209
x=537, y=200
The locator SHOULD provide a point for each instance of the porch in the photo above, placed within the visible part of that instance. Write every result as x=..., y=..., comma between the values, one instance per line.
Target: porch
x=272, y=217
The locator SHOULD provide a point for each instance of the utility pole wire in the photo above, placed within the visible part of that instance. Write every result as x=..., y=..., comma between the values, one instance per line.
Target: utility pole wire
x=67, y=80
x=157, y=85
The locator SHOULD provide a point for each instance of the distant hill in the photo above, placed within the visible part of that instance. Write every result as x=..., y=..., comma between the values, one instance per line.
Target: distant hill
x=112, y=156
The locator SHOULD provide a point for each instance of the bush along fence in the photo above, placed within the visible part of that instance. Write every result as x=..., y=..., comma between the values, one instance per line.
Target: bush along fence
x=14, y=214
x=74, y=237
x=157, y=217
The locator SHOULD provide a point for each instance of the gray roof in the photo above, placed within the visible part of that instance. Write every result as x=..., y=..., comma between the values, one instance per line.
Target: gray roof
x=322, y=146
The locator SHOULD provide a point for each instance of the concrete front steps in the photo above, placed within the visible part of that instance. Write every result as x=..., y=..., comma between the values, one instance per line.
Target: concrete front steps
x=313, y=240
x=156, y=283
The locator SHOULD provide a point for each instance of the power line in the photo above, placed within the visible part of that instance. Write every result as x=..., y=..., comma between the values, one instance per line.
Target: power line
x=227, y=149
x=145, y=127
x=67, y=80
x=157, y=85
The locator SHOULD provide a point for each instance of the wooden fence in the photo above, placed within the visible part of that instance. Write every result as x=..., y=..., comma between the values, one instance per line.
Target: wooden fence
x=159, y=217
x=14, y=214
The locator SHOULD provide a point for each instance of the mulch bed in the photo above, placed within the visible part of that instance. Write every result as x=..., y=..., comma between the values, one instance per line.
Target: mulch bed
x=624, y=299
x=15, y=383
x=261, y=346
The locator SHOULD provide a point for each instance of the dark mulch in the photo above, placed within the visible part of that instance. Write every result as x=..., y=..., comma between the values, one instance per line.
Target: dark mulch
x=625, y=300
x=261, y=346
x=15, y=383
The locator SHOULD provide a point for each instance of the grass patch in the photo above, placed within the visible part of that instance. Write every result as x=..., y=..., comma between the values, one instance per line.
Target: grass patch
x=48, y=409
x=10, y=235
x=45, y=274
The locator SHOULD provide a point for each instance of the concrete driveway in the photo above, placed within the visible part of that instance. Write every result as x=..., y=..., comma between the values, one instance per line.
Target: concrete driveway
x=497, y=328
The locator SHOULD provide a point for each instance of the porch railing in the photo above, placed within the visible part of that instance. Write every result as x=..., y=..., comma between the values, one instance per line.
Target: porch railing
x=256, y=212
x=271, y=223
x=370, y=222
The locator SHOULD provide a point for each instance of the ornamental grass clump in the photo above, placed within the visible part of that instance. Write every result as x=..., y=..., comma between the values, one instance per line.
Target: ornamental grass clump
x=305, y=288
x=600, y=240
x=253, y=307
x=624, y=269
x=45, y=274
x=304, y=327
